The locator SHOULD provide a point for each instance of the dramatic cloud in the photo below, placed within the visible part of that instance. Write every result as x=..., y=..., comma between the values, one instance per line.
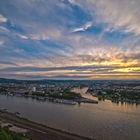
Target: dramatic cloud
x=70, y=39
x=117, y=14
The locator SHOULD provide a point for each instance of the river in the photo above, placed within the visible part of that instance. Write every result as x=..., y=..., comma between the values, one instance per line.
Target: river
x=103, y=121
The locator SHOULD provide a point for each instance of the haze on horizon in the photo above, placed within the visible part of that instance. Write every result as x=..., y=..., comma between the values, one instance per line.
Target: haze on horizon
x=70, y=39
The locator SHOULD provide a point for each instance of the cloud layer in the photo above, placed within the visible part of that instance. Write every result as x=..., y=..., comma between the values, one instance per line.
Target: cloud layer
x=70, y=39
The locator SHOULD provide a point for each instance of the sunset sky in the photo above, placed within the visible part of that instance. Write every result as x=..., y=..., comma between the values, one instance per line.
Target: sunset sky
x=70, y=39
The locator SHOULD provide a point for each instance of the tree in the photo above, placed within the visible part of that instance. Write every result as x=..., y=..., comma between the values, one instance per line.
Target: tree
x=4, y=135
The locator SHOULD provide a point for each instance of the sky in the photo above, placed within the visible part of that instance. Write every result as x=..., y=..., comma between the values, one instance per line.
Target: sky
x=70, y=39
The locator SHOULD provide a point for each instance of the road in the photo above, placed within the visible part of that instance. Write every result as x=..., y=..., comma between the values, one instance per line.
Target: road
x=37, y=131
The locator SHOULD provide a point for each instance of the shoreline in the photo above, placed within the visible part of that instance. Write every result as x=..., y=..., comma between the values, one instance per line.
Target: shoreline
x=118, y=100
x=39, y=131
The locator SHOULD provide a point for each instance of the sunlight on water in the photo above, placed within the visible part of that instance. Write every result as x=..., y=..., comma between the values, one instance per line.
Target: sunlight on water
x=103, y=121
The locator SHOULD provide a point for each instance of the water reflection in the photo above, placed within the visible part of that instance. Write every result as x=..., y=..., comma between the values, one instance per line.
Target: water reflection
x=104, y=121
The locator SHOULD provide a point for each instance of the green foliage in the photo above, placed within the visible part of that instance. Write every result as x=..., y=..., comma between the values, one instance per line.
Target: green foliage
x=121, y=95
x=71, y=95
x=65, y=95
x=38, y=94
x=6, y=135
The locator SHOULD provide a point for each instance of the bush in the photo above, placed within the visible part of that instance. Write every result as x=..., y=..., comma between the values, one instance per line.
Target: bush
x=6, y=135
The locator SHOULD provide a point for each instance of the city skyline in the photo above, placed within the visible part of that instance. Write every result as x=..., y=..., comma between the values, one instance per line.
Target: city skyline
x=70, y=39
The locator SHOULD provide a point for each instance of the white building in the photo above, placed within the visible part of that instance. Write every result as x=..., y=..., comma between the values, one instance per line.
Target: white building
x=34, y=89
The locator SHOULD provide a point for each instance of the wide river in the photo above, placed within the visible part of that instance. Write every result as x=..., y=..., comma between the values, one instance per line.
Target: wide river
x=103, y=121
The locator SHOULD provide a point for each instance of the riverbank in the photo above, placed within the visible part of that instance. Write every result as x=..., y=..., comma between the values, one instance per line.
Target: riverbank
x=116, y=100
x=80, y=100
x=38, y=131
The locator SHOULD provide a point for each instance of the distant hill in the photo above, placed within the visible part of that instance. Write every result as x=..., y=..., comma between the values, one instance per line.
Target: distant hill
x=46, y=81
